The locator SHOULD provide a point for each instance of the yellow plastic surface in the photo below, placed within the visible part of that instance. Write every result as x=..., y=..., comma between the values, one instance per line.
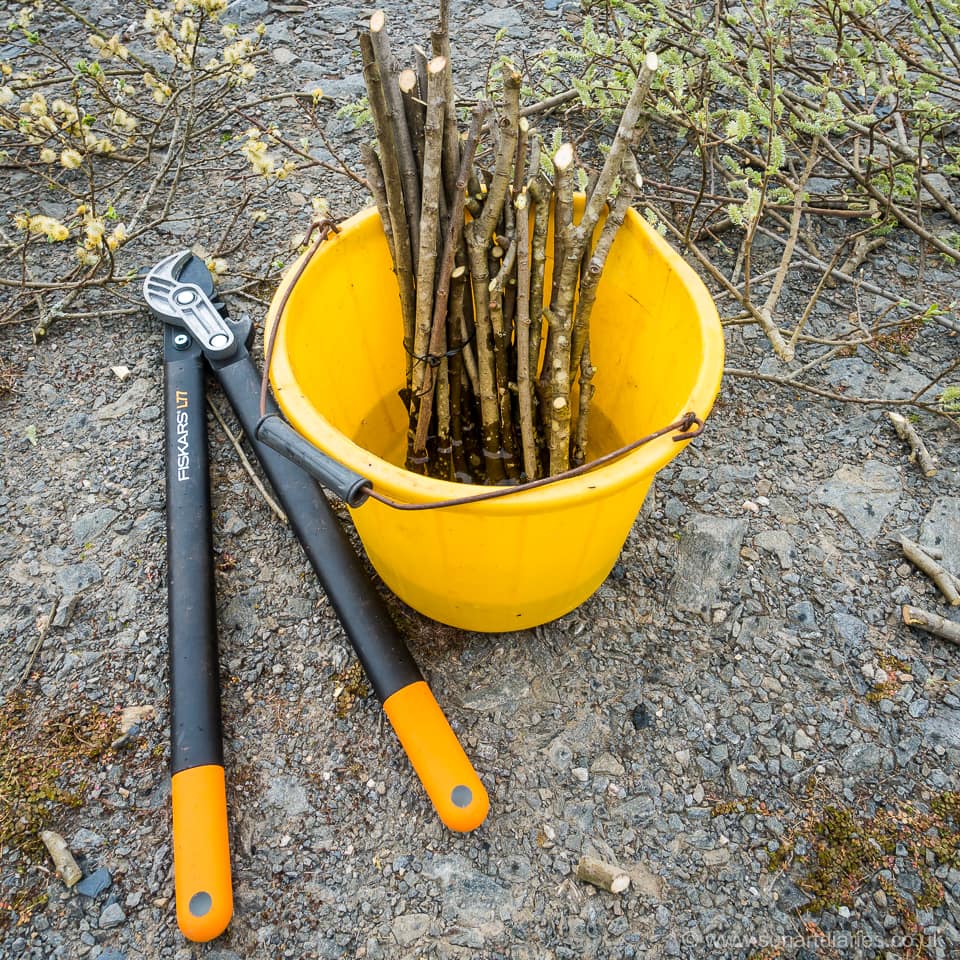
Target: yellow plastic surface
x=201, y=852
x=657, y=346
x=435, y=753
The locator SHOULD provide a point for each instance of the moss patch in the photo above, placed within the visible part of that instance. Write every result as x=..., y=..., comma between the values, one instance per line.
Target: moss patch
x=838, y=854
x=44, y=761
x=351, y=686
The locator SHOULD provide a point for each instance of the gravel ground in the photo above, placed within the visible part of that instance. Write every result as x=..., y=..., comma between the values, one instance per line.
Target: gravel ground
x=742, y=669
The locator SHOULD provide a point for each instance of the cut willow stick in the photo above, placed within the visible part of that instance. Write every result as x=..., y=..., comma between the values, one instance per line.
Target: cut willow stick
x=478, y=235
x=371, y=164
x=395, y=116
x=563, y=210
x=931, y=622
x=621, y=142
x=429, y=222
x=590, y=280
x=555, y=377
x=528, y=443
x=440, y=39
x=918, y=449
x=451, y=137
x=500, y=323
x=606, y=876
x=403, y=259
x=450, y=244
x=425, y=372
x=945, y=581
x=540, y=193
x=578, y=447
x=590, y=276
x=415, y=111
x=555, y=374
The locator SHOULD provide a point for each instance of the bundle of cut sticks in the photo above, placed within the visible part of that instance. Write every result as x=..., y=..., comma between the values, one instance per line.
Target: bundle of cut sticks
x=495, y=349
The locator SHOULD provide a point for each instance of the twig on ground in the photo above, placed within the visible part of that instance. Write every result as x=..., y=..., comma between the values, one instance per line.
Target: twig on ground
x=270, y=502
x=945, y=581
x=606, y=876
x=931, y=623
x=34, y=653
x=918, y=450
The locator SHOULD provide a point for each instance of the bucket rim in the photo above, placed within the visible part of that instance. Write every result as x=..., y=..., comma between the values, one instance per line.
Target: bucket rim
x=402, y=485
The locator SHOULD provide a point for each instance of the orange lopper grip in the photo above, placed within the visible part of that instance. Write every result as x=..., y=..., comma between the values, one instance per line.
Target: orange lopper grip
x=201, y=852
x=437, y=757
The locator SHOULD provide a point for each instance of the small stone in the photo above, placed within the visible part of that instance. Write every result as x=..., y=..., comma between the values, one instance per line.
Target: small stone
x=803, y=614
x=738, y=781
x=716, y=858
x=284, y=56
x=607, y=765
x=121, y=372
x=641, y=717
x=135, y=716
x=410, y=927
x=112, y=916
x=901, y=594
x=581, y=774
x=85, y=839
x=95, y=883
x=801, y=741
x=761, y=710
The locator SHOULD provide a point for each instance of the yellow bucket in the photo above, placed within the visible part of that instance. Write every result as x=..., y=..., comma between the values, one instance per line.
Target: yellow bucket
x=515, y=562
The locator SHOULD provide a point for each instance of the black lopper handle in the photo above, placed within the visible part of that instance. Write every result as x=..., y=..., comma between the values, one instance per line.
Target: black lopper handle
x=201, y=850
x=424, y=732
x=364, y=615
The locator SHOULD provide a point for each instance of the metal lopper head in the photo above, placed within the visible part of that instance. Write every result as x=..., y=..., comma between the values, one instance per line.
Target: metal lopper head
x=179, y=291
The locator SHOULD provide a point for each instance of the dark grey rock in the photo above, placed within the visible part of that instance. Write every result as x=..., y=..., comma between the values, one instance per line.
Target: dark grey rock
x=336, y=13
x=95, y=883
x=863, y=759
x=245, y=11
x=941, y=529
x=849, y=628
x=738, y=781
x=942, y=727
x=78, y=576
x=91, y=525
x=709, y=554
x=112, y=916
x=803, y=614
x=864, y=495
x=778, y=542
